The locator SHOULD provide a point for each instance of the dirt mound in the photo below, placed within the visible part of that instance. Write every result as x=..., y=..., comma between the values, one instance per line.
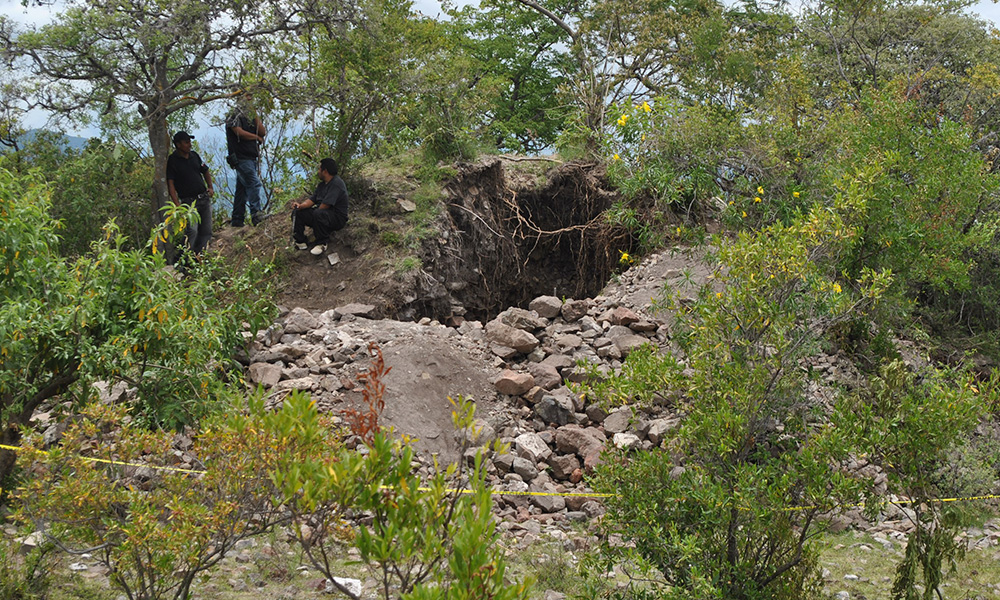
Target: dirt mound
x=500, y=235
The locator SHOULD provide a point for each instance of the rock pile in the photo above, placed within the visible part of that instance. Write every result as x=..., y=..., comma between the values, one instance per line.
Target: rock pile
x=554, y=434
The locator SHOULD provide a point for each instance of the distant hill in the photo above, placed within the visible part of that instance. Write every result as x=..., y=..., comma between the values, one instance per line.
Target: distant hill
x=70, y=141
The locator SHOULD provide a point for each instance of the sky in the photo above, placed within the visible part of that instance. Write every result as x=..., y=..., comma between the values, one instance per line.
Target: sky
x=986, y=9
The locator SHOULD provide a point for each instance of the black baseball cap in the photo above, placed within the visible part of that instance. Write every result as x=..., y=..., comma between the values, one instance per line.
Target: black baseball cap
x=182, y=136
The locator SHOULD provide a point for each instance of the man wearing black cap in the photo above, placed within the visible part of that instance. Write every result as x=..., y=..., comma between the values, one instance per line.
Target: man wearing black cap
x=185, y=175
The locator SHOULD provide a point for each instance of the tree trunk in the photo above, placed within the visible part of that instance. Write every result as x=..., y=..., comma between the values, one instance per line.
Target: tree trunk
x=159, y=142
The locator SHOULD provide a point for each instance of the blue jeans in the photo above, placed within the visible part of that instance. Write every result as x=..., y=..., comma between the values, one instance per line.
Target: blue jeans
x=248, y=190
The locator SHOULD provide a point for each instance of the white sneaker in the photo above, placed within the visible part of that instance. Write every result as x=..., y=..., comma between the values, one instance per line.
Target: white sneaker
x=301, y=246
x=317, y=250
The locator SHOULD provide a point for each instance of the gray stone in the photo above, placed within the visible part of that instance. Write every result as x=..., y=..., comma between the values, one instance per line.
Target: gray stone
x=548, y=504
x=546, y=376
x=625, y=441
x=555, y=409
x=504, y=462
x=625, y=339
x=567, y=341
x=618, y=421
x=592, y=508
x=546, y=306
x=573, y=439
x=300, y=320
x=505, y=335
x=525, y=468
x=265, y=374
x=526, y=320
x=596, y=413
x=532, y=447
x=513, y=383
x=573, y=310
x=559, y=361
x=659, y=428
x=306, y=384
x=356, y=309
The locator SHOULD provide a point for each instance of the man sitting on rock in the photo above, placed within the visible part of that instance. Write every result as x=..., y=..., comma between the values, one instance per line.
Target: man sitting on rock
x=325, y=211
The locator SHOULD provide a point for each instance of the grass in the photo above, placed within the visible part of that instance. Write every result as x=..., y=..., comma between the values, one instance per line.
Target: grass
x=874, y=564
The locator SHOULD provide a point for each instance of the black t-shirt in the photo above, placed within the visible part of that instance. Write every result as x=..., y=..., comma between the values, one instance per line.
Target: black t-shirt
x=234, y=144
x=332, y=193
x=187, y=174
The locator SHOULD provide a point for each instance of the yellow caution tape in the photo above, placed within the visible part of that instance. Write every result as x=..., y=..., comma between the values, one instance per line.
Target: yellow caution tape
x=510, y=492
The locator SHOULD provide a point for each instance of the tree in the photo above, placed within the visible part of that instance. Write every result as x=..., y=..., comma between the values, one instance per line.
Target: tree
x=111, y=315
x=521, y=67
x=156, y=57
x=737, y=520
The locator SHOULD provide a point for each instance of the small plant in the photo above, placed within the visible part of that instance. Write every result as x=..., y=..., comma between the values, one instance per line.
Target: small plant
x=424, y=540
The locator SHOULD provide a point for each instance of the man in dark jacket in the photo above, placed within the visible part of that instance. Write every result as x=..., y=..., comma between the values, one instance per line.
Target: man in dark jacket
x=190, y=182
x=244, y=135
x=325, y=211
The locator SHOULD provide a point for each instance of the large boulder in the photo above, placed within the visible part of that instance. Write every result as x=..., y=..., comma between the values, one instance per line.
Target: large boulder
x=532, y=447
x=513, y=383
x=546, y=376
x=546, y=306
x=300, y=320
x=502, y=334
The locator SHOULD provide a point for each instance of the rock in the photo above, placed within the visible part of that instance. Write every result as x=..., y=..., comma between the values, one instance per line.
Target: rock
x=573, y=439
x=559, y=361
x=305, y=384
x=354, y=585
x=358, y=310
x=546, y=376
x=842, y=595
x=555, y=409
x=504, y=462
x=626, y=441
x=567, y=341
x=659, y=428
x=513, y=383
x=532, y=447
x=546, y=306
x=300, y=320
x=545, y=502
x=525, y=468
x=502, y=334
x=596, y=413
x=525, y=320
x=623, y=316
x=618, y=421
x=563, y=466
x=573, y=310
x=592, y=508
x=553, y=595
x=625, y=339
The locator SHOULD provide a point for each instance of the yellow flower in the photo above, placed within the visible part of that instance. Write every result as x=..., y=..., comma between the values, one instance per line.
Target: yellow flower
x=744, y=214
x=625, y=258
x=756, y=199
x=836, y=288
x=646, y=107
x=796, y=194
x=622, y=120
x=616, y=157
x=760, y=189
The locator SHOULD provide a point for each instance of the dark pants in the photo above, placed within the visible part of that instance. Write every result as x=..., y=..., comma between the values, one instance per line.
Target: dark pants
x=323, y=223
x=199, y=234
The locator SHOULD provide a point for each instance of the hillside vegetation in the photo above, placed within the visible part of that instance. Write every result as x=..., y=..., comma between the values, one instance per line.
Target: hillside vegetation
x=836, y=167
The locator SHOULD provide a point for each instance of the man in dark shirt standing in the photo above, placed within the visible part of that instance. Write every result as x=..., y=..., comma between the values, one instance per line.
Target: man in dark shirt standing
x=325, y=211
x=189, y=181
x=243, y=138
